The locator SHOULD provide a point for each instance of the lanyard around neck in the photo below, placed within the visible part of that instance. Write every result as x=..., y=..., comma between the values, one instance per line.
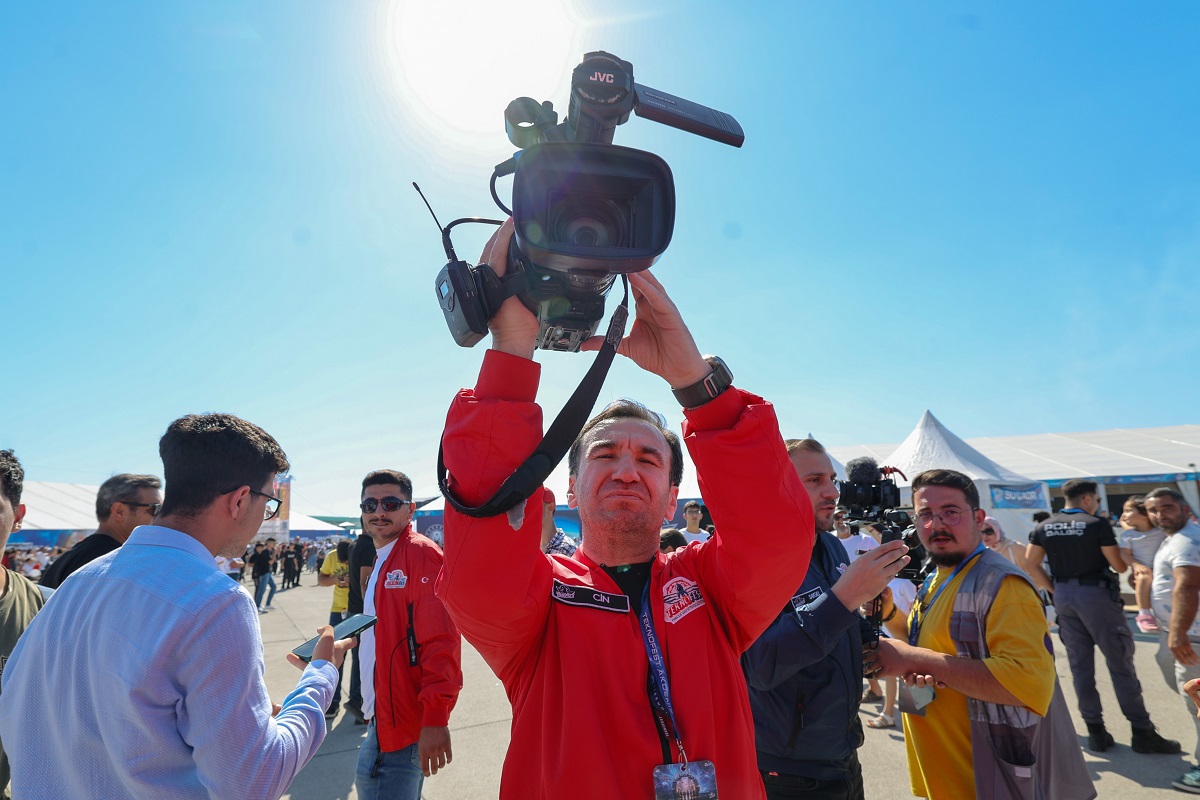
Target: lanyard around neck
x=659, y=688
x=922, y=608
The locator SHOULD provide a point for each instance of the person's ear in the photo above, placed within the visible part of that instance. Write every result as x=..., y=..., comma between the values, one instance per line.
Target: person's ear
x=18, y=516
x=572, y=501
x=672, y=501
x=237, y=501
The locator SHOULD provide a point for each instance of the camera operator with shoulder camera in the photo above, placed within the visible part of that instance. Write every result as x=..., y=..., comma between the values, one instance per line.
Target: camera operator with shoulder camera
x=805, y=672
x=621, y=663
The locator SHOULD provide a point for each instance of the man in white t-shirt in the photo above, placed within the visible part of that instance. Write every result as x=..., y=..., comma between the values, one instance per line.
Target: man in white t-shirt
x=856, y=543
x=692, y=514
x=1174, y=596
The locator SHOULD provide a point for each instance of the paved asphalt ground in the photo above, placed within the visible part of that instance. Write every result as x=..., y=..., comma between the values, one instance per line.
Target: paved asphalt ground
x=480, y=724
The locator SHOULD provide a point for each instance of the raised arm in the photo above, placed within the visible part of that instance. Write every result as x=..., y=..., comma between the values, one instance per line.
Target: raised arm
x=495, y=581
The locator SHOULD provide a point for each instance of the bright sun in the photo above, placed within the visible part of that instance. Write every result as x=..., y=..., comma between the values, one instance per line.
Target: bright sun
x=458, y=63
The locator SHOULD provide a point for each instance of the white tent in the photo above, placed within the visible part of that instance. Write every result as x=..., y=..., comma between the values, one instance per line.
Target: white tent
x=1006, y=495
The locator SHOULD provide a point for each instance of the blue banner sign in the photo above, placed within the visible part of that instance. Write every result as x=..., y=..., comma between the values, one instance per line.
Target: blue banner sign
x=1027, y=495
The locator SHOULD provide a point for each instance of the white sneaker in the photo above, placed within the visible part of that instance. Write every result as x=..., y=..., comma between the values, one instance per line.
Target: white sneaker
x=269, y=607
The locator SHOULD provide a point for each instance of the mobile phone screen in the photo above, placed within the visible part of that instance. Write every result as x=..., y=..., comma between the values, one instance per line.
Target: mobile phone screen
x=347, y=627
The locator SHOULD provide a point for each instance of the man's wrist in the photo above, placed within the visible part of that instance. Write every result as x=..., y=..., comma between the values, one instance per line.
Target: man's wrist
x=521, y=347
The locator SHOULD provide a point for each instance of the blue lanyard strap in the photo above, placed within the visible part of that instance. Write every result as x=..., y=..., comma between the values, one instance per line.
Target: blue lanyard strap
x=659, y=686
x=922, y=608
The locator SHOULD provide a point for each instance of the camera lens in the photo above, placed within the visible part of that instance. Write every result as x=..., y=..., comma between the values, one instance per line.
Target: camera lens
x=589, y=222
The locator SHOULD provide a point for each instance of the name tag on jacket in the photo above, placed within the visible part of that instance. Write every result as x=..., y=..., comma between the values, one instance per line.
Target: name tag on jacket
x=587, y=596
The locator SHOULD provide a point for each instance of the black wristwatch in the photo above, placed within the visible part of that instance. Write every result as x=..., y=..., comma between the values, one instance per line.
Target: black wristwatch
x=704, y=390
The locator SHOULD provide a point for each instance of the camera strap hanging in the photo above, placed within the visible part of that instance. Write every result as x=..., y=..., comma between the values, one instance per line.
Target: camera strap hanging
x=529, y=477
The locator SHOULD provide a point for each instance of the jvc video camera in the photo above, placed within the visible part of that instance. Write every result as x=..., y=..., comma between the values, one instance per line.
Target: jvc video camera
x=584, y=210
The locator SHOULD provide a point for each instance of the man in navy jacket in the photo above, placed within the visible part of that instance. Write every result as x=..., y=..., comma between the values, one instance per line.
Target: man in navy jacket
x=805, y=671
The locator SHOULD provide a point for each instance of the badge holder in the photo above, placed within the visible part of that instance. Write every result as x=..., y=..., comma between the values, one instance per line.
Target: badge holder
x=913, y=700
x=687, y=780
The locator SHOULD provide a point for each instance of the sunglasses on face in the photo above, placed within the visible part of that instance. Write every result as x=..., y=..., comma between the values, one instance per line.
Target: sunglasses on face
x=389, y=504
x=988, y=532
x=154, y=507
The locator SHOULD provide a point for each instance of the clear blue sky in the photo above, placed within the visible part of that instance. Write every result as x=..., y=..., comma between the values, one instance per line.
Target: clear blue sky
x=991, y=210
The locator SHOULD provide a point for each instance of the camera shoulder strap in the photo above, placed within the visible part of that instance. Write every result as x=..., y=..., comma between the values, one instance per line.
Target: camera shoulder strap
x=530, y=476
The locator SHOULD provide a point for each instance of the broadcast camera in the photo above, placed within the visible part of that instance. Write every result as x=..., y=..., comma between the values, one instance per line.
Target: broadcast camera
x=584, y=209
x=870, y=496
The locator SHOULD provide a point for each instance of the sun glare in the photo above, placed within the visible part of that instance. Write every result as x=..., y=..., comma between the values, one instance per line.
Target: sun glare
x=458, y=63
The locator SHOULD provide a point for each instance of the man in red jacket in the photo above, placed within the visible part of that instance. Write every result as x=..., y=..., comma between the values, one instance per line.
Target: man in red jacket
x=412, y=658
x=621, y=663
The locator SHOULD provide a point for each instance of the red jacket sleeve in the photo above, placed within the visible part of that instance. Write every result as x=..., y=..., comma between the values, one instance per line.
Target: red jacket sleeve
x=495, y=581
x=441, y=652
x=761, y=510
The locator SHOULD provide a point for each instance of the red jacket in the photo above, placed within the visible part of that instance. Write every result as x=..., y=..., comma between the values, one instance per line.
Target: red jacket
x=574, y=667
x=411, y=696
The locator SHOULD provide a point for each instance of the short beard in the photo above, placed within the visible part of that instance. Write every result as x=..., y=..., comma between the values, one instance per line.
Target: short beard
x=947, y=559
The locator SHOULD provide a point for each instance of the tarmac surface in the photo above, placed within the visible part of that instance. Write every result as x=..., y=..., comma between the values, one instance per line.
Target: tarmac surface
x=479, y=725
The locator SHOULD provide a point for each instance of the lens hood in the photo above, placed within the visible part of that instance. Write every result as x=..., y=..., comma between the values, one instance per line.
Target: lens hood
x=591, y=207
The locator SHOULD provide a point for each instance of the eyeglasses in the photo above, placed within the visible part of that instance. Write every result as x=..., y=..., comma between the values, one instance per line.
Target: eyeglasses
x=154, y=507
x=273, y=503
x=389, y=504
x=951, y=516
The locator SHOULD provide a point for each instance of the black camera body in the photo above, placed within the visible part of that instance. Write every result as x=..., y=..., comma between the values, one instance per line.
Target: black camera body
x=584, y=210
x=872, y=498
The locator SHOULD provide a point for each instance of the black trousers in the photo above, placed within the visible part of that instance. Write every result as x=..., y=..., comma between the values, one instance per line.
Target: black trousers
x=790, y=787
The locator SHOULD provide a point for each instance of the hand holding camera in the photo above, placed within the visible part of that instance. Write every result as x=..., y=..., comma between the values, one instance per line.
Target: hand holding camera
x=659, y=341
x=870, y=574
x=514, y=327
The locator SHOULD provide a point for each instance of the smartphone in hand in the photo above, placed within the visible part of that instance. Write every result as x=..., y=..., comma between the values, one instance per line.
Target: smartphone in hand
x=348, y=627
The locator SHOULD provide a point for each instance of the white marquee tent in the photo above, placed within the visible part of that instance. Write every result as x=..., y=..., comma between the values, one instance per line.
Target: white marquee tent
x=1006, y=495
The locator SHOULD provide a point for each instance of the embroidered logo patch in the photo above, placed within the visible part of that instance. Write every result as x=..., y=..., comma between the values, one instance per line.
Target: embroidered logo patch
x=681, y=597
x=587, y=596
x=396, y=579
x=841, y=568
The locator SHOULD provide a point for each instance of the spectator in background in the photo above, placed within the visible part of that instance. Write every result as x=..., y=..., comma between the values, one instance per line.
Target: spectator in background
x=1139, y=541
x=362, y=559
x=1175, y=597
x=412, y=658
x=335, y=572
x=1083, y=554
x=20, y=599
x=123, y=502
x=554, y=541
x=670, y=540
x=291, y=566
x=264, y=565
x=856, y=543
x=993, y=537
x=230, y=566
x=692, y=514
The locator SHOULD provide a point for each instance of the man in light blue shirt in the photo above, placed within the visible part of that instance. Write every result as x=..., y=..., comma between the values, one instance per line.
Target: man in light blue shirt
x=144, y=677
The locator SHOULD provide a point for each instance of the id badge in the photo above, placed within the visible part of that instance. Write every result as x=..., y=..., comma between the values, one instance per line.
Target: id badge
x=914, y=699
x=696, y=780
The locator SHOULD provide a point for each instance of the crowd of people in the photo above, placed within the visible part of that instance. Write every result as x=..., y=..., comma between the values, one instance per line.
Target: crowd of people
x=701, y=661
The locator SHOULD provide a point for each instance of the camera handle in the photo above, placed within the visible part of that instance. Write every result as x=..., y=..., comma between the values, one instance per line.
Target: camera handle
x=530, y=476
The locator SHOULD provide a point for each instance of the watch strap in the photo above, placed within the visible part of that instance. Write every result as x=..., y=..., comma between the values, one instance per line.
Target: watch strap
x=707, y=388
